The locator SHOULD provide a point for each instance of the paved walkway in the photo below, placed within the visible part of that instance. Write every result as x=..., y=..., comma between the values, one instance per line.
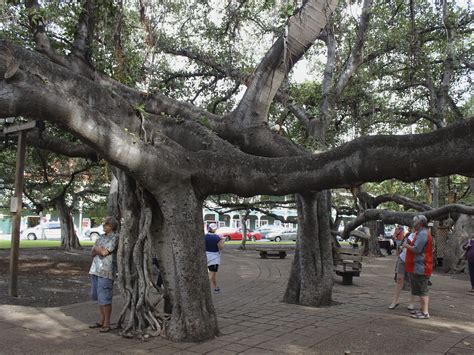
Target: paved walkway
x=252, y=319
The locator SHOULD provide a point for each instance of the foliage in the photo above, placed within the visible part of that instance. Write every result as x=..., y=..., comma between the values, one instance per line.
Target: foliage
x=387, y=94
x=48, y=176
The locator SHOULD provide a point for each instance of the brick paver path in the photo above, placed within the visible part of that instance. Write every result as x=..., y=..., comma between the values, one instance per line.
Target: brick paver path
x=252, y=319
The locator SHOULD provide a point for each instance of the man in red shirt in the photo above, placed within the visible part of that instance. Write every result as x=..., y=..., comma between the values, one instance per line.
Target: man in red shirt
x=419, y=263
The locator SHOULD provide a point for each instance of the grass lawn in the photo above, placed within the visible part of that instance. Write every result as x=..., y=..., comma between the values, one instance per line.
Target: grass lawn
x=5, y=244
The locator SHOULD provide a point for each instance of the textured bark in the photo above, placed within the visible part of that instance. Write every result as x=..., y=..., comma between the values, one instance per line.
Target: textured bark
x=167, y=224
x=311, y=279
x=371, y=246
x=462, y=231
x=243, y=223
x=406, y=218
x=113, y=202
x=69, y=239
x=365, y=201
x=193, y=316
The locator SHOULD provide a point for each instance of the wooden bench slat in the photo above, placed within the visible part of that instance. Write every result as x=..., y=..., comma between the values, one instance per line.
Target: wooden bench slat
x=349, y=257
x=347, y=263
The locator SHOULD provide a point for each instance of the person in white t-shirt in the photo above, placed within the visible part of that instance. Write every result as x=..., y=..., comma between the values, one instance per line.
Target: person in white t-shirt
x=400, y=274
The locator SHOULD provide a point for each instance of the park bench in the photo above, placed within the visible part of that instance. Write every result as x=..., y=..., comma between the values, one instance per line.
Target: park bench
x=347, y=263
x=272, y=252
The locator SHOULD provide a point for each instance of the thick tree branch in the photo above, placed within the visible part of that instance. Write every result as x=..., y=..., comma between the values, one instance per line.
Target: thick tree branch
x=329, y=99
x=108, y=124
x=81, y=47
x=401, y=200
x=250, y=207
x=206, y=59
x=302, y=30
x=38, y=29
x=370, y=158
x=405, y=218
x=60, y=146
x=356, y=56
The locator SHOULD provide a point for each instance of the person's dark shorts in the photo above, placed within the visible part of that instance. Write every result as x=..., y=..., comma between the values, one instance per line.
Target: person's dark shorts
x=102, y=290
x=419, y=284
x=213, y=268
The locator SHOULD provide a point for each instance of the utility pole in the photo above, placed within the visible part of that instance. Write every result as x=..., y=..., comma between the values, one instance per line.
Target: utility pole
x=17, y=200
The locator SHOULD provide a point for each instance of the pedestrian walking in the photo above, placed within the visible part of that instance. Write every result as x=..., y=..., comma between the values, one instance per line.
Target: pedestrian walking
x=469, y=255
x=214, y=245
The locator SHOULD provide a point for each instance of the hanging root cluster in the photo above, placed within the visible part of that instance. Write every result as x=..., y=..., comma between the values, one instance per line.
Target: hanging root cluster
x=139, y=316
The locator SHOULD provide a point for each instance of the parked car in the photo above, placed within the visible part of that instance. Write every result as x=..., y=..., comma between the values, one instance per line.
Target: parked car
x=283, y=234
x=94, y=233
x=267, y=228
x=231, y=233
x=388, y=232
x=51, y=230
x=254, y=235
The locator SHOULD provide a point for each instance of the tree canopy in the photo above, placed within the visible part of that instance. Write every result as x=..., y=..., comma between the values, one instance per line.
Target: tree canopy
x=179, y=97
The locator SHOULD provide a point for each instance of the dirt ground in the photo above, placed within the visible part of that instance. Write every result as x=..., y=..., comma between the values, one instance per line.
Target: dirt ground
x=47, y=277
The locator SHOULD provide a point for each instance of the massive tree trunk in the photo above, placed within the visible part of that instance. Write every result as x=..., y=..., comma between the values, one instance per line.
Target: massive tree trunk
x=113, y=203
x=168, y=227
x=243, y=224
x=193, y=317
x=371, y=246
x=463, y=230
x=365, y=202
x=69, y=239
x=311, y=278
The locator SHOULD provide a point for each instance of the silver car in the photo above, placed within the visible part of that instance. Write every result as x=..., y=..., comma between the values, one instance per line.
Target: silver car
x=94, y=233
x=282, y=234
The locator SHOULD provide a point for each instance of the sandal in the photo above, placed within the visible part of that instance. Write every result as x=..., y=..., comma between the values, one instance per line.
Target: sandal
x=393, y=305
x=95, y=325
x=104, y=330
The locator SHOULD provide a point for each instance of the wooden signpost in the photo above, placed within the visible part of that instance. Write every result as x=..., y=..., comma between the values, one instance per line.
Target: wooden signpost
x=16, y=202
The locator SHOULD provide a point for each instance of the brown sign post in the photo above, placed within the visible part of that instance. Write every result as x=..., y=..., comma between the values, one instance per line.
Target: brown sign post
x=17, y=200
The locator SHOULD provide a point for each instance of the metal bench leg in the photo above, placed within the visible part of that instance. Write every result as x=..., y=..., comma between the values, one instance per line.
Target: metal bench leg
x=347, y=279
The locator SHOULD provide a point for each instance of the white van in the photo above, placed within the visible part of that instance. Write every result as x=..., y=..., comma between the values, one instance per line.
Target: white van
x=49, y=230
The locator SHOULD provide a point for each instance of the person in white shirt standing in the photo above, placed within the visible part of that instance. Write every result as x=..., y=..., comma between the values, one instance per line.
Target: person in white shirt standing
x=400, y=273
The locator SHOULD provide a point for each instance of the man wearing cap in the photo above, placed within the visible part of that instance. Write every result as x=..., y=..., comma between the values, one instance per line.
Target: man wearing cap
x=214, y=245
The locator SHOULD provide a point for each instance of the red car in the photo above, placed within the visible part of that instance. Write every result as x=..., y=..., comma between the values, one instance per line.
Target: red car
x=230, y=233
